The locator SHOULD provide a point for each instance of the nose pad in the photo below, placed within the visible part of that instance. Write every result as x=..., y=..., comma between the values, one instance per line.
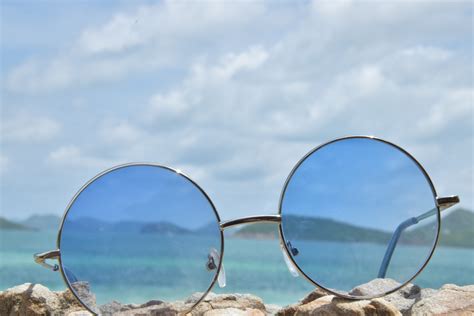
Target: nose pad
x=294, y=251
x=212, y=261
x=211, y=264
x=288, y=262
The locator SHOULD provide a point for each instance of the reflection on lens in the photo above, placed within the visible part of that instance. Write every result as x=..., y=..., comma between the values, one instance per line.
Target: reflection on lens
x=356, y=210
x=139, y=233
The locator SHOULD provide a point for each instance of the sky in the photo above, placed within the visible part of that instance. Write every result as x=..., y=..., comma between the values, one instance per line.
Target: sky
x=144, y=194
x=359, y=181
x=231, y=93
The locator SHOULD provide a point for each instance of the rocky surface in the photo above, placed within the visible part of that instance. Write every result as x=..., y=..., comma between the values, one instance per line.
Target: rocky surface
x=411, y=300
x=34, y=299
x=449, y=300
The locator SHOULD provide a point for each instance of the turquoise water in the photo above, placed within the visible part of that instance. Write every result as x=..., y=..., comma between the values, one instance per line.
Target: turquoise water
x=252, y=266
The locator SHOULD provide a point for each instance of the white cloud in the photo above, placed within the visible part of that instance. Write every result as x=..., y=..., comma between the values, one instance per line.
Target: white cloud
x=65, y=153
x=370, y=79
x=231, y=64
x=46, y=76
x=289, y=101
x=430, y=53
x=186, y=101
x=152, y=37
x=331, y=8
x=28, y=128
x=453, y=106
x=120, y=132
x=167, y=22
x=258, y=86
x=72, y=156
x=4, y=164
x=168, y=106
x=105, y=40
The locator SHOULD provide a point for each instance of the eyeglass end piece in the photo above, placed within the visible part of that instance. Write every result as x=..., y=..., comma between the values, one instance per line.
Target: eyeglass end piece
x=40, y=258
x=447, y=201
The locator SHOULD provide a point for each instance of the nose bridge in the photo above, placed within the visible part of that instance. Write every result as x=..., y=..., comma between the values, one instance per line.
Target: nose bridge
x=251, y=219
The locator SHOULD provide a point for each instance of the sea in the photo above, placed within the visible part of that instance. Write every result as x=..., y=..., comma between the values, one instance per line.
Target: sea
x=253, y=266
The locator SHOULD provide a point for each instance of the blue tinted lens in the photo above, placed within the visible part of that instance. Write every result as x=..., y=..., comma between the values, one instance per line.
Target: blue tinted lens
x=139, y=233
x=348, y=205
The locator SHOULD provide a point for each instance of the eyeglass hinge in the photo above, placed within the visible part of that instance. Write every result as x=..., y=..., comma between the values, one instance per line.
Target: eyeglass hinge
x=447, y=201
x=40, y=258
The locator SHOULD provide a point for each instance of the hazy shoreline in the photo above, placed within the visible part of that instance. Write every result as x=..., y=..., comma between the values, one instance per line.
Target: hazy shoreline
x=456, y=230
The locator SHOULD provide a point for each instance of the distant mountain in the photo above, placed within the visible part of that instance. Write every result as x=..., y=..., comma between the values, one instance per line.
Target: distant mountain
x=5, y=224
x=208, y=229
x=164, y=228
x=317, y=228
x=331, y=230
x=127, y=226
x=457, y=230
x=258, y=231
x=42, y=222
x=86, y=224
x=89, y=224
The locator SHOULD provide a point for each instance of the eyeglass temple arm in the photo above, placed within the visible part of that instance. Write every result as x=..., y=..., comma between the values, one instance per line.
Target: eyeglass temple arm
x=443, y=204
x=40, y=258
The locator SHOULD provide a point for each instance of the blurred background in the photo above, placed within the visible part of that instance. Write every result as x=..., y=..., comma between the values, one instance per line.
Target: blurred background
x=233, y=94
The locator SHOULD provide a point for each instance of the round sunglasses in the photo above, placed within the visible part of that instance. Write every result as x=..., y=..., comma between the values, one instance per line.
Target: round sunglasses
x=352, y=210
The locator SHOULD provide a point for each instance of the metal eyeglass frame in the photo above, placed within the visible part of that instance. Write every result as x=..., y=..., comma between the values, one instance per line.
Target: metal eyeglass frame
x=441, y=203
